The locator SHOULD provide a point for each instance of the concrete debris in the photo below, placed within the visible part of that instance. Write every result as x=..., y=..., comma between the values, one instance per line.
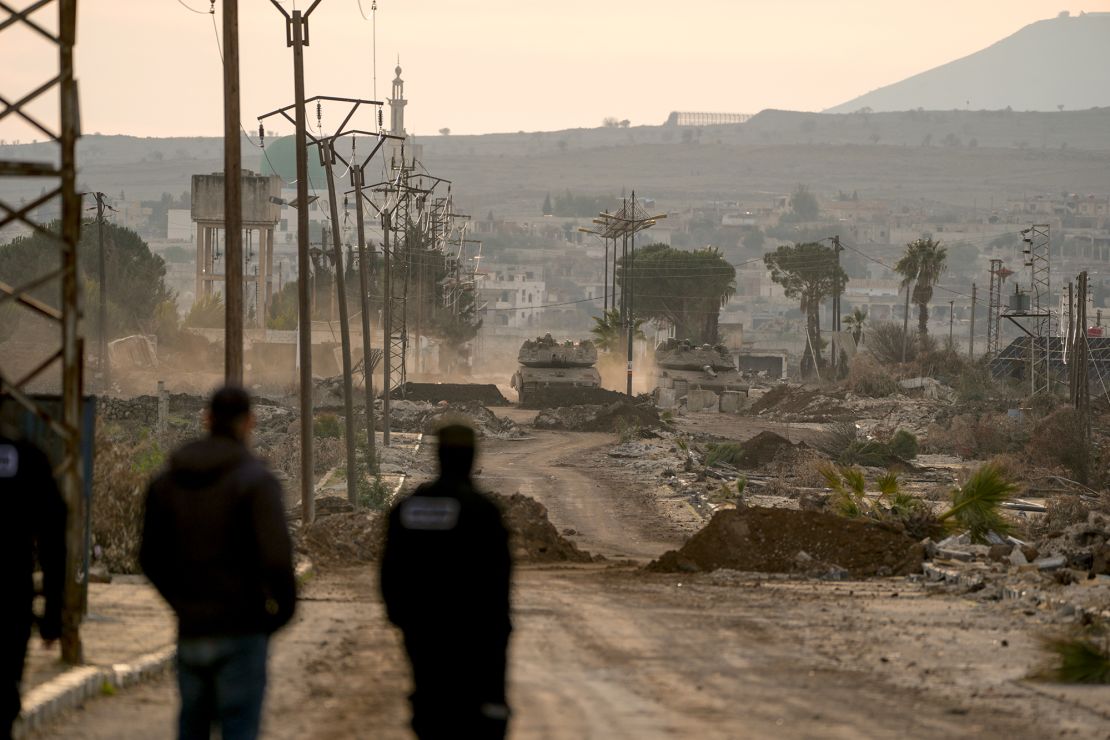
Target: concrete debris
x=134, y=352
x=612, y=418
x=424, y=417
x=1084, y=545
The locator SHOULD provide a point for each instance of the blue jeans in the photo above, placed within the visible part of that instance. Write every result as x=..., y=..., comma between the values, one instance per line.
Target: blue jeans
x=222, y=681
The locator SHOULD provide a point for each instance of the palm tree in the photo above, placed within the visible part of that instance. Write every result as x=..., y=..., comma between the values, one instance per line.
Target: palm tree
x=922, y=265
x=609, y=329
x=856, y=321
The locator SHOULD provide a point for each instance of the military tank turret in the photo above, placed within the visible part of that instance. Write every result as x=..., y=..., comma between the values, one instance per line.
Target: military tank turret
x=683, y=365
x=548, y=366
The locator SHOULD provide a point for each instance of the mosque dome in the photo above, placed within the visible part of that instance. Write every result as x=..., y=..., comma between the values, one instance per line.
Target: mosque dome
x=281, y=159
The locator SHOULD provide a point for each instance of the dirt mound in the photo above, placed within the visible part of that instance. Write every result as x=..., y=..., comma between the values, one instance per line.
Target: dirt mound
x=350, y=537
x=486, y=394
x=532, y=536
x=358, y=536
x=788, y=541
x=545, y=398
x=762, y=449
x=611, y=418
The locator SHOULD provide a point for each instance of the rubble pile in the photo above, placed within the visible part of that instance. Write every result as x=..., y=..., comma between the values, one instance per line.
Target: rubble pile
x=542, y=398
x=532, y=536
x=612, y=418
x=424, y=417
x=788, y=541
x=348, y=537
x=1082, y=546
x=913, y=409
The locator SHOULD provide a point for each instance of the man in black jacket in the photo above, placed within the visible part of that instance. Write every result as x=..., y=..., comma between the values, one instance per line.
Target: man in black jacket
x=216, y=545
x=445, y=577
x=34, y=519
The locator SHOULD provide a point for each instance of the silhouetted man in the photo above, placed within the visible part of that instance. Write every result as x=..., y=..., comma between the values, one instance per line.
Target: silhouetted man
x=216, y=545
x=34, y=519
x=445, y=582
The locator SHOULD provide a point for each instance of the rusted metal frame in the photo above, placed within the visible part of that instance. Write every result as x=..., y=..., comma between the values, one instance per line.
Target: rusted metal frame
x=24, y=16
x=30, y=302
x=26, y=287
x=27, y=169
x=17, y=106
x=21, y=214
x=12, y=389
x=42, y=366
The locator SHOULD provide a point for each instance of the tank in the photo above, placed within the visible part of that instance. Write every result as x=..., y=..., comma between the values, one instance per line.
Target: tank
x=683, y=365
x=550, y=365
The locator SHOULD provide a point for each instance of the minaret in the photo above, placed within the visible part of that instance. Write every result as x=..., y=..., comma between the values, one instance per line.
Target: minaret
x=397, y=104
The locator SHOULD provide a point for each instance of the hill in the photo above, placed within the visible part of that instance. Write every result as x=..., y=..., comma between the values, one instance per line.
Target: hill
x=954, y=157
x=1062, y=61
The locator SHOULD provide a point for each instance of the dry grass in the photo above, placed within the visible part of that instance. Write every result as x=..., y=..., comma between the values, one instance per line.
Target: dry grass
x=866, y=377
x=122, y=469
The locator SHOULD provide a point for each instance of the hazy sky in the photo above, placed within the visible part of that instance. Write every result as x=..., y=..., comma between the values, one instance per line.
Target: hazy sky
x=150, y=67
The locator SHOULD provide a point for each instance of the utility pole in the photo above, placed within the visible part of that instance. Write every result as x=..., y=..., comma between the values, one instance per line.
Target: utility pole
x=387, y=323
x=296, y=36
x=971, y=333
x=327, y=152
x=103, y=363
x=951, y=321
x=233, y=201
x=906, y=323
x=364, y=290
x=1082, y=361
x=836, y=304
x=631, y=289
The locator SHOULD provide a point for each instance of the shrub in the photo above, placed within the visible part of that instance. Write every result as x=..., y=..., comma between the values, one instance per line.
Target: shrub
x=904, y=444
x=1058, y=439
x=121, y=472
x=885, y=339
x=976, y=505
x=729, y=453
x=1079, y=659
x=326, y=426
x=866, y=377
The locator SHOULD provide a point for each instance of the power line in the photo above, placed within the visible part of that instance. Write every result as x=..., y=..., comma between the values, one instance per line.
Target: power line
x=199, y=12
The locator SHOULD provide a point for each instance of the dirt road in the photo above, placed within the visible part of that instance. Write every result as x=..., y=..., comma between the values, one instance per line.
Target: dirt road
x=606, y=651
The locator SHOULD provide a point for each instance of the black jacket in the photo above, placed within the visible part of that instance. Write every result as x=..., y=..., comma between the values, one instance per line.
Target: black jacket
x=34, y=518
x=216, y=544
x=446, y=566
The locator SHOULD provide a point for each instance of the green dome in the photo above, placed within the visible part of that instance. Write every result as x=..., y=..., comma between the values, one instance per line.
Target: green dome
x=280, y=159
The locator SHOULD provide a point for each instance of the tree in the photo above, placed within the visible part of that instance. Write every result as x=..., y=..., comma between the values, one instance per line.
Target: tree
x=608, y=328
x=684, y=288
x=136, y=276
x=809, y=273
x=855, y=322
x=922, y=265
x=803, y=204
x=547, y=208
x=445, y=131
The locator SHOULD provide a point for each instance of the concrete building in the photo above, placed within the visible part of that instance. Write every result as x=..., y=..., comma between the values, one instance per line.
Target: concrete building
x=514, y=297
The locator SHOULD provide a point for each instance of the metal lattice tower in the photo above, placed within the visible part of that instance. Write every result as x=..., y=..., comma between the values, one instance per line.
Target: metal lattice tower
x=60, y=415
x=1036, y=239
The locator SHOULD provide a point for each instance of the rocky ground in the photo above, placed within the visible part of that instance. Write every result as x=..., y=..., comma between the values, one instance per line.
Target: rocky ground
x=682, y=574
